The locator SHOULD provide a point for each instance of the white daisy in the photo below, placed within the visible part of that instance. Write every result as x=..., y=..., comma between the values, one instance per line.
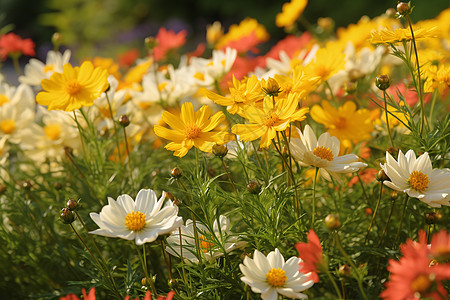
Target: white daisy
x=271, y=276
x=417, y=178
x=323, y=153
x=142, y=220
x=213, y=245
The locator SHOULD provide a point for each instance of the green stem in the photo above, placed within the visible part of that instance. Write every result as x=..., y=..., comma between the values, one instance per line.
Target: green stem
x=387, y=119
x=363, y=188
x=374, y=213
x=433, y=102
x=401, y=218
x=314, y=198
x=128, y=155
x=148, y=279
x=116, y=132
x=331, y=91
x=387, y=223
x=229, y=176
x=15, y=59
x=338, y=292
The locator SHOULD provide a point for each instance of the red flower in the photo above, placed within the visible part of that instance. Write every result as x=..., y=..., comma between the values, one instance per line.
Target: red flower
x=90, y=296
x=128, y=58
x=11, y=44
x=311, y=255
x=367, y=175
x=148, y=296
x=414, y=276
x=168, y=40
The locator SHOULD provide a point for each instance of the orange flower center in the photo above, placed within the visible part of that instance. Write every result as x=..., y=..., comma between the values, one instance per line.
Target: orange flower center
x=206, y=245
x=53, y=132
x=271, y=119
x=341, y=123
x=418, y=181
x=7, y=126
x=135, y=221
x=421, y=284
x=73, y=87
x=3, y=99
x=276, y=277
x=324, y=153
x=192, y=131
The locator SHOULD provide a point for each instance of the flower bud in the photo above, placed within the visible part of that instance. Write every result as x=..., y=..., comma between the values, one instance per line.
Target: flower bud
x=350, y=88
x=270, y=87
x=383, y=82
x=326, y=24
x=381, y=176
x=253, y=187
x=27, y=185
x=67, y=216
x=332, y=222
x=58, y=185
x=403, y=8
x=172, y=198
x=56, y=40
x=124, y=120
x=390, y=12
x=430, y=217
x=176, y=173
x=214, y=32
x=72, y=204
x=394, y=194
x=219, y=150
x=150, y=42
x=368, y=211
x=344, y=270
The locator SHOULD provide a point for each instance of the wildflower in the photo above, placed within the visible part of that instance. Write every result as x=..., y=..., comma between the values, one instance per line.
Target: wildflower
x=438, y=77
x=73, y=88
x=387, y=36
x=311, y=256
x=191, y=129
x=12, y=45
x=168, y=40
x=108, y=64
x=417, y=178
x=323, y=153
x=265, y=122
x=148, y=296
x=327, y=62
x=214, y=32
x=213, y=244
x=142, y=220
x=290, y=12
x=347, y=123
x=90, y=296
x=440, y=247
x=272, y=276
x=128, y=58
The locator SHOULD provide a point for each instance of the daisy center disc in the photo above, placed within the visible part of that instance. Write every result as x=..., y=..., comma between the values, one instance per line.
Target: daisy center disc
x=135, y=221
x=7, y=126
x=421, y=284
x=418, y=181
x=270, y=119
x=192, y=131
x=324, y=153
x=73, y=87
x=276, y=277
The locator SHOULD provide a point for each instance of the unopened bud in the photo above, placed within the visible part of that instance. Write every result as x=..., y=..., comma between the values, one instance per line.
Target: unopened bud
x=430, y=217
x=2, y=189
x=72, y=204
x=27, y=185
x=350, y=88
x=270, y=87
x=56, y=40
x=332, y=222
x=124, y=120
x=219, y=150
x=172, y=198
x=390, y=12
x=394, y=194
x=67, y=216
x=68, y=150
x=176, y=172
x=326, y=24
x=144, y=281
x=253, y=187
x=381, y=176
x=344, y=270
x=368, y=211
x=383, y=82
x=58, y=185
x=403, y=8
x=150, y=43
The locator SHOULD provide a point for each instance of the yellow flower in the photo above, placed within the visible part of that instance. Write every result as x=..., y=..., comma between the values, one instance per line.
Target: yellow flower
x=242, y=94
x=74, y=87
x=214, y=32
x=300, y=84
x=327, y=62
x=290, y=12
x=438, y=77
x=191, y=129
x=387, y=36
x=109, y=64
x=247, y=27
x=265, y=122
x=346, y=122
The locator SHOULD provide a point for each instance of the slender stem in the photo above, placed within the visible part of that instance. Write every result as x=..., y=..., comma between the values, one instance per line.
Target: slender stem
x=401, y=218
x=90, y=237
x=338, y=292
x=374, y=213
x=433, y=102
x=331, y=91
x=363, y=188
x=298, y=204
x=428, y=233
x=15, y=59
x=387, y=119
x=422, y=108
x=387, y=223
x=217, y=87
x=128, y=154
x=148, y=279
x=115, y=127
x=168, y=264
x=229, y=176
x=181, y=256
x=314, y=198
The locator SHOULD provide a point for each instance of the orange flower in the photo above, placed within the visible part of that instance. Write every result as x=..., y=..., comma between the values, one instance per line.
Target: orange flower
x=311, y=255
x=11, y=44
x=90, y=296
x=168, y=40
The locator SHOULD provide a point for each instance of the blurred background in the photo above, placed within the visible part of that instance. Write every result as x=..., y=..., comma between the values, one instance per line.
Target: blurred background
x=109, y=27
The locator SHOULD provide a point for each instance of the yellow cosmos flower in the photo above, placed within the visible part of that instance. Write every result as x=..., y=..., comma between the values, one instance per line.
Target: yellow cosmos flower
x=73, y=88
x=300, y=83
x=387, y=36
x=109, y=64
x=327, y=62
x=265, y=122
x=438, y=77
x=247, y=27
x=347, y=123
x=191, y=129
x=290, y=12
x=242, y=94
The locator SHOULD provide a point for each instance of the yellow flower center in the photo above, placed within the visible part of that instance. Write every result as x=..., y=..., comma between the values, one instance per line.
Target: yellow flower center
x=271, y=119
x=205, y=244
x=145, y=104
x=199, y=76
x=324, y=153
x=192, y=131
x=341, y=123
x=48, y=68
x=3, y=99
x=73, y=87
x=7, y=126
x=53, y=132
x=421, y=284
x=418, y=181
x=321, y=71
x=162, y=86
x=135, y=220
x=276, y=277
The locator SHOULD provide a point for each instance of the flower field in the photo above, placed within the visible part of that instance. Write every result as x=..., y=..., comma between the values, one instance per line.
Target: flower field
x=318, y=169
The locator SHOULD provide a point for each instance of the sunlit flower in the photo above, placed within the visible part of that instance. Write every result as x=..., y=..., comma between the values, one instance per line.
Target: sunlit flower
x=35, y=71
x=273, y=117
x=327, y=62
x=73, y=88
x=108, y=64
x=13, y=45
x=388, y=36
x=213, y=243
x=168, y=40
x=191, y=129
x=290, y=13
x=248, y=30
x=437, y=77
x=13, y=120
x=142, y=220
x=440, y=246
x=311, y=255
x=214, y=32
x=417, y=178
x=272, y=276
x=323, y=153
